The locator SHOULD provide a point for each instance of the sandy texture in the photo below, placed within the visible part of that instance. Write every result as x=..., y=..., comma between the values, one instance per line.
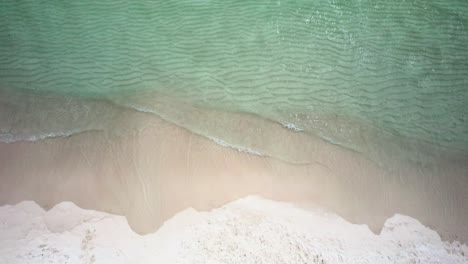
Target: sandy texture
x=157, y=169
x=249, y=230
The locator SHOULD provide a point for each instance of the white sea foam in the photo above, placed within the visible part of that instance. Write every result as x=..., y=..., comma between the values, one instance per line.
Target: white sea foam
x=291, y=126
x=12, y=138
x=239, y=148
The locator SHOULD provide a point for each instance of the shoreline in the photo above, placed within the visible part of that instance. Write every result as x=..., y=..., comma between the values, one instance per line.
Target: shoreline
x=151, y=174
x=18, y=123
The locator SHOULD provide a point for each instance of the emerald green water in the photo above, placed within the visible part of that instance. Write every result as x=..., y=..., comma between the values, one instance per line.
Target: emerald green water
x=347, y=71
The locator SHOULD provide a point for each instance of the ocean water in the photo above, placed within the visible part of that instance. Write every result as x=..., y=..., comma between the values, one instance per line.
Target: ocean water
x=388, y=79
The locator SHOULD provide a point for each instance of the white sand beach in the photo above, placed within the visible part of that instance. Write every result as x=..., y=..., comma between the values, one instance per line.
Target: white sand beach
x=249, y=230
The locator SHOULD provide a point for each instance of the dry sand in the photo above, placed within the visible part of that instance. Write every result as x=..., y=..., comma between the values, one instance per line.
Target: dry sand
x=150, y=175
x=250, y=230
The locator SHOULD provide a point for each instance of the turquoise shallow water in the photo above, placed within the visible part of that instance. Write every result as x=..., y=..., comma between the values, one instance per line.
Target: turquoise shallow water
x=355, y=73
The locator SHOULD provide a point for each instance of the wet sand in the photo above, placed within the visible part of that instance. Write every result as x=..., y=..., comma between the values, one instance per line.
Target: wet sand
x=150, y=174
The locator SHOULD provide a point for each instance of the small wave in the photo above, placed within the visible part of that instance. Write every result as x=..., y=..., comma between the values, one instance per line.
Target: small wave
x=291, y=126
x=238, y=148
x=12, y=138
x=216, y=140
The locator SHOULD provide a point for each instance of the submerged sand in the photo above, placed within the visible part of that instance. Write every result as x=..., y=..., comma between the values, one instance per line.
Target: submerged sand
x=151, y=173
x=249, y=230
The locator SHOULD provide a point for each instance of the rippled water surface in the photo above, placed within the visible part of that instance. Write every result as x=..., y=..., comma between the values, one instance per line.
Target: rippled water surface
x=356, y=73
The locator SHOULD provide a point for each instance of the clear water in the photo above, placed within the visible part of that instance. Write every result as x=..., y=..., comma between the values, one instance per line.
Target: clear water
x=356, y=73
